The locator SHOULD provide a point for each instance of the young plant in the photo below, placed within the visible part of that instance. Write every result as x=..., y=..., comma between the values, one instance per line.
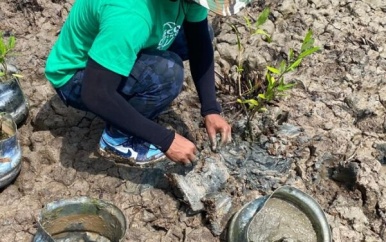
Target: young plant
x=256, y=29
x=275, y=83
x=240, y=48
x=6, y=50
x=253, y=30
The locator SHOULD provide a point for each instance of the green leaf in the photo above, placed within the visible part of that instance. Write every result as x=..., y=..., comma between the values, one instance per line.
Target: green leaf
x=290, y=55
x=248, y=22
x=269, y=78
x=283, y=66
x=263, y=17
x=285, y=87
x=1, y=38
x=308, y=52
x=262, y=96
x=271, y=82
x=17, y=75
x=273, y=70
x=269, y=94
x=263, y=109
x=295, y=64
x=3, y=49
x=262, y=32
x=252, y=101
x=308, y=41
x=2, y=74
x=308, y=36
x=289, y=86
x=281, y=81
x=11, y=42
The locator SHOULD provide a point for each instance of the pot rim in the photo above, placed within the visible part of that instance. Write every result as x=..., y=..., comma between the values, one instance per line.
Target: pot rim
x=298, y=198
x=99, y=204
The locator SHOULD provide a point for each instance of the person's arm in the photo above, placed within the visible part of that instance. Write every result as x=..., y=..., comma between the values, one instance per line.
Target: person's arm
x=100, y=95
x=201, y=59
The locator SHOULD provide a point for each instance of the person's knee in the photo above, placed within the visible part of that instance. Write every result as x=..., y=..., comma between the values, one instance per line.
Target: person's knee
x=175, y=75
x=168, y=67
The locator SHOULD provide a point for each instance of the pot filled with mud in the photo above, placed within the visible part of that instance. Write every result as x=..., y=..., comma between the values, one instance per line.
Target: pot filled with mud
x=10, y=151
x=288, y=214
x=81, y=219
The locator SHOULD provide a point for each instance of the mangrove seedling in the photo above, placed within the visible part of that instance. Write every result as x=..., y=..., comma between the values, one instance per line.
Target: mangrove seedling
x=6, y=50
x=256, y=98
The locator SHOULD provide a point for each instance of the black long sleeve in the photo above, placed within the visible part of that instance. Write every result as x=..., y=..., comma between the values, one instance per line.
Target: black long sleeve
x=100, y=95
x=201, y=59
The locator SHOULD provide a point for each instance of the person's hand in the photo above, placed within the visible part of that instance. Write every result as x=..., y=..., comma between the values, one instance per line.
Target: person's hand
x=214, y=124
x=182, y=150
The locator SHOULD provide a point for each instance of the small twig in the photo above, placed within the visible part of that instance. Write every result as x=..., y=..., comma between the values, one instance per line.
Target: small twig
x=250, y=15
x=237, y=114
x=219, y=75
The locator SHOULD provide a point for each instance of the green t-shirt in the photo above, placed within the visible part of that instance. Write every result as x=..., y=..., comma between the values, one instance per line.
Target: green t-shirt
x=112, y=32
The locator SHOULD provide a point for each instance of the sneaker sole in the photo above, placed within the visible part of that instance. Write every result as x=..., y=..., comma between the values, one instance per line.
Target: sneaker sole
x=128, y=162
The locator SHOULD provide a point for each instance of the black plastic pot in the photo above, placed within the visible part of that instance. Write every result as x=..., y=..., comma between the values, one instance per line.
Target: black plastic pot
x=13, y=100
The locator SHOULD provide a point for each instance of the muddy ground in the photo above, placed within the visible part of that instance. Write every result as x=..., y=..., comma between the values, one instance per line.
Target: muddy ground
x=326, y=137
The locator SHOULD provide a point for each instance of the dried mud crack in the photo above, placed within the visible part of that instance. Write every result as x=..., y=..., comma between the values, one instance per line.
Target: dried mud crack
x=327, y=137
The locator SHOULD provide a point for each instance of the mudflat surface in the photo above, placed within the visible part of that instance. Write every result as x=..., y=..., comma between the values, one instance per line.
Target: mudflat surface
x=325, y=137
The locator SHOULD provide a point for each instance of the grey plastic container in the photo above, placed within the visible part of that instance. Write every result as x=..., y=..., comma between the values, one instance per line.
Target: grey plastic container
x=240, y=224
x=80, y=219
x=10, y=151
x=13, y=100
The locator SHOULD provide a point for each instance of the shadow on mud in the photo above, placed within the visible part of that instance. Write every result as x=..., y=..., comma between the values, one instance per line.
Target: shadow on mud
x=80, y=133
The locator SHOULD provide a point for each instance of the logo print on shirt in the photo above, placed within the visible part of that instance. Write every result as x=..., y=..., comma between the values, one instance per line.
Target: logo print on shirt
x=170, y=33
